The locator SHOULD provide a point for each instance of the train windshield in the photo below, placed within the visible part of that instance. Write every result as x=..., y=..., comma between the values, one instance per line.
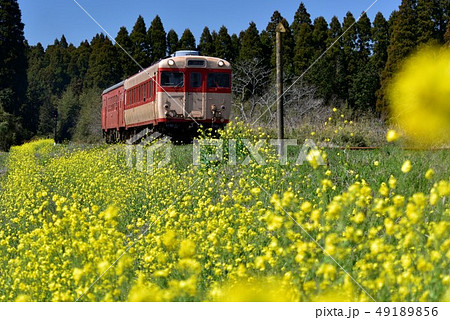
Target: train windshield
x=172, y=79
x=219, y=80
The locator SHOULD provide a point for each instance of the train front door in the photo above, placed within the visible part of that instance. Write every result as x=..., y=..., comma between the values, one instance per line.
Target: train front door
x=195, y=94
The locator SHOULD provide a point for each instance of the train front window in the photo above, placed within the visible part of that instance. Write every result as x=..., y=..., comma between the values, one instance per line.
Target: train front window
x=219, y=80
x=172, y=79
x=196, y=80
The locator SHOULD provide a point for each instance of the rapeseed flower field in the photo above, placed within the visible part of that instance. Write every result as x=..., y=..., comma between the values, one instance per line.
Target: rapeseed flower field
x=79, y=224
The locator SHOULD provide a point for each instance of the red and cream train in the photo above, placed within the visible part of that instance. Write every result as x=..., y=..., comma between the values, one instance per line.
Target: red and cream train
x=174, y=96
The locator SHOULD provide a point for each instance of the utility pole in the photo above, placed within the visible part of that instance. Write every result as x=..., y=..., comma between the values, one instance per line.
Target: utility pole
x=280, y=107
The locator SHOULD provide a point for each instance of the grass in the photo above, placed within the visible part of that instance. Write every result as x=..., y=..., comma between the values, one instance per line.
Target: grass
x=361, y=162
x=3, y=158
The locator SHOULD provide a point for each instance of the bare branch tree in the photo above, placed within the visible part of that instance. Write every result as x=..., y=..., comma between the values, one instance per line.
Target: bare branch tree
x=300, y=102
x=250, y=79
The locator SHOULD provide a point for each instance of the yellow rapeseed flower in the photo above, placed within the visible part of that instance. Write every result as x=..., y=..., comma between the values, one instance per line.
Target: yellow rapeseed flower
x=406, y=167
x=420, y=96
x=392, y=136
x=429, y=174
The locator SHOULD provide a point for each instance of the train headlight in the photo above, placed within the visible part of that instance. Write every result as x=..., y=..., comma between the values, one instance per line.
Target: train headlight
x=222, y=107
x=221, y=63
x=166, y=106
x=171, y=63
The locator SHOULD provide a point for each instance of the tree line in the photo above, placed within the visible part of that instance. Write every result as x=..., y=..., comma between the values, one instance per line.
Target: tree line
x=58, y=88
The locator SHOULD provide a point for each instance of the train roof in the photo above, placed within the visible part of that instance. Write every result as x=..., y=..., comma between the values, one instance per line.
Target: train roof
x=120, y=84
x=180, y=57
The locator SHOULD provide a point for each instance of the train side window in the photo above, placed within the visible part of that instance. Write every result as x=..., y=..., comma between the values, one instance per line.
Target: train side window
x=172, y=79
x=196, y=80
x=219, y=80
x=152, y=86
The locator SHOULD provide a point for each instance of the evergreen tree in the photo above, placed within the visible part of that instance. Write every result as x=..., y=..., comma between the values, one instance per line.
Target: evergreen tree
x=214, y=36
x=362, y=95
x=13, y=75
x=187, y=40
x=48, y=115
x=9, y=128
x=88, y=128
x=67, y=109
x=79, y=63
x=158, y=42
x=141, y=44
x=318, y=74
x=267, y=47
x=304, y=50
x=366, y=78
x=301, y=17
x=432, y=19
x=104, y=70
x=349, y=44
x=442, y=18
x=320, y=36
x=251, y=46
x=302, y=30
x=222, y=44
x=36, y=91
x=57, y=59
x=235, y=46
x=63, y=42
x=55, y=79
x=447, y=35
x=403, y=41
x=334, y=70
x=392, y=18
x=349, y=54
x=206, y=45
x=123, y=42
x=364, y=39
x=172, y=41
x=380, y=37
x=425, y=21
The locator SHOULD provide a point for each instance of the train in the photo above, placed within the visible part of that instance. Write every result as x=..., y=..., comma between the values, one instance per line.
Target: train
x=175, y=96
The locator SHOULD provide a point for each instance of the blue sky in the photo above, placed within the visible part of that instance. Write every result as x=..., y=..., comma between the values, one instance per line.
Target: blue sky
x=46, y=20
